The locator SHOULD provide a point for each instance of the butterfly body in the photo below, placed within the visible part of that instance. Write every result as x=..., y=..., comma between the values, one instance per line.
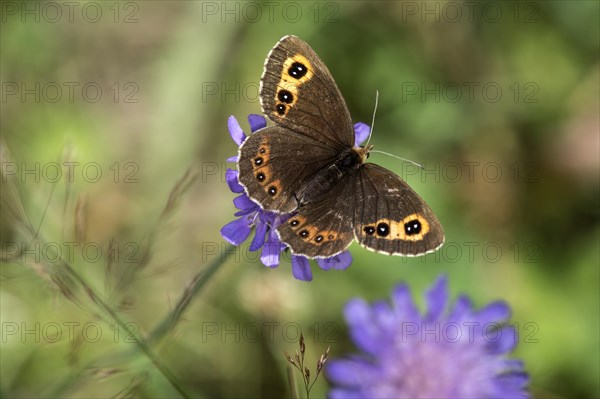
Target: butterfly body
x=307, y=164
x=324, y=180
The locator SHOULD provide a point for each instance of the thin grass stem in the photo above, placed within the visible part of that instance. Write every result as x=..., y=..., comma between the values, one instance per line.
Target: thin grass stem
x=195, y=287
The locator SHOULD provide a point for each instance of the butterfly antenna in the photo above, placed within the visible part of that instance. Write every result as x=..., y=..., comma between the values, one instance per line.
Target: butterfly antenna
x=402, y=159
x=371, y=133
x=373, y=120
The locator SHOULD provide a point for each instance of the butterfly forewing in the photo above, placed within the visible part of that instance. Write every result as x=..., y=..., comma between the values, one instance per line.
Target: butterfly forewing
x=275, y=163
x=298, y=92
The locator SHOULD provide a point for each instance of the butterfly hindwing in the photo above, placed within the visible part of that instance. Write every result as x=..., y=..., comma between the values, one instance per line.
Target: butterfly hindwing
x=275, y=163
x=373, y=206
x=323, y=228
x=390, y=217
x=298, y=92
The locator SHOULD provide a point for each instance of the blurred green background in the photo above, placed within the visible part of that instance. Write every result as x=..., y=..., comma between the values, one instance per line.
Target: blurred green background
x=499, y=101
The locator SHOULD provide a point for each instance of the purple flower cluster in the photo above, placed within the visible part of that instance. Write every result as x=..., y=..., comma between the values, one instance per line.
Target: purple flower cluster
x=447, y=353
x=265, y=222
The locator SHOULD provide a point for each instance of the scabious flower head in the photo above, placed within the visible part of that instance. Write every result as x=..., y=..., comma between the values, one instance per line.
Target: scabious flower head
x=265, y=222
x=446, y=353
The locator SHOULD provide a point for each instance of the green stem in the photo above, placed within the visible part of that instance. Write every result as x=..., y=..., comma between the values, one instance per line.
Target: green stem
x=292, y=383
x=198, y=282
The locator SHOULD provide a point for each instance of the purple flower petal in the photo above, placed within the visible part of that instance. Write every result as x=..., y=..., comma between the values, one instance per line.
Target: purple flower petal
x=273, y=237
x=270, y=254
x=361, y=133
x=278, y=220
x=339, y=393
x=404, y=305
x=385, y=317
x=232, y=159
x=231, y=177
x=500, y=341
x=245, y=212
x=363, y=329
x=339, y=262
x=436, y=299
x=301, y=268
x=509, y=365
x=235, y=130
x=461, y=310
x=495, y=312
x=243, y=202
x=256, y=122
x=350, y=372
x=516, y=381
x=259, y=236
x=237, y=231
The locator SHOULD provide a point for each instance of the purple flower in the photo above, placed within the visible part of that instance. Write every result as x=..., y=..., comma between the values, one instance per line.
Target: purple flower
x=265, y=222
x=446, y=353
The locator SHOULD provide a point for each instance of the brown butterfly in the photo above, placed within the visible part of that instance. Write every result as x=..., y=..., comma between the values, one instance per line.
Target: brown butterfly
x=307, y=165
